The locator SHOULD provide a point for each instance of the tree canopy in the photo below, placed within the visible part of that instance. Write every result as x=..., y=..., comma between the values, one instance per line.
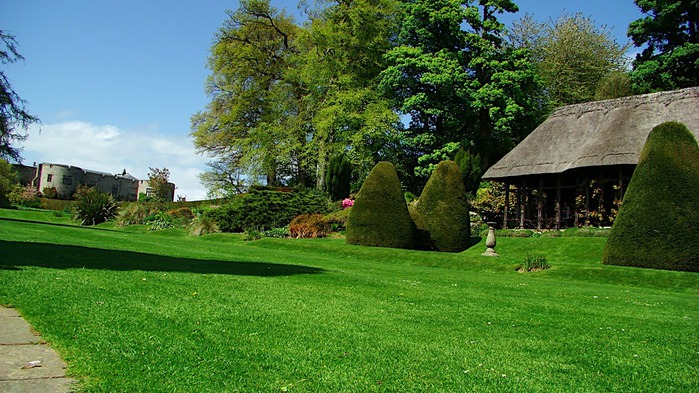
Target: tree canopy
x=669, y=34
x=576, y=60
x=14, y=118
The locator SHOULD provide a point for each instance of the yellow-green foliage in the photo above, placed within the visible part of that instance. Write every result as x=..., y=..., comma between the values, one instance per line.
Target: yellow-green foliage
x=658, y=223
x=443, y=208
x=380, y=216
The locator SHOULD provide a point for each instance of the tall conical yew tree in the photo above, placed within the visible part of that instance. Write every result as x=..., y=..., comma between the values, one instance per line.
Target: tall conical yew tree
x=658, y=222
x=380, y=216
x=443, y=207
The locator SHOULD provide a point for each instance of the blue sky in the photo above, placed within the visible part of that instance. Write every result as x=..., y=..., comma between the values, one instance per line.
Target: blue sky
x=115, y=82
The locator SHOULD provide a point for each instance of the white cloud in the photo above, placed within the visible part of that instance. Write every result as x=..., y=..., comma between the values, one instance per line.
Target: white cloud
x=108, y=148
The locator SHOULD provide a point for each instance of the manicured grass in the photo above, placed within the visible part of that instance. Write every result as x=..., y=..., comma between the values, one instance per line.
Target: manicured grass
x=162, y=311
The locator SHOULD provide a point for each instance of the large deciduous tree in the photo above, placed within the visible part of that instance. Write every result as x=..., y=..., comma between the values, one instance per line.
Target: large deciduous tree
x=670, y=34
x=253, y=106
x=577, y=60
x=14, y=118
x=451, y=75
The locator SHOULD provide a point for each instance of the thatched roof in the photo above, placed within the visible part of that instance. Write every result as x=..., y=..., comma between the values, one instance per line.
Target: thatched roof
x=600, y=133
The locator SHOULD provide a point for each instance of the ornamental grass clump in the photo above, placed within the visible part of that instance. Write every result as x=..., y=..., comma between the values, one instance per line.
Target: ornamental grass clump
x=658, y=223
x=92, y=206
x=534, y=263
x=202, y=225
x=380, y=216
x=443, y=209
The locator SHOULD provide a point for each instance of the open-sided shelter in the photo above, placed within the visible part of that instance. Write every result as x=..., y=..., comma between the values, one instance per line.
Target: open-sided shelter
x=574, y=167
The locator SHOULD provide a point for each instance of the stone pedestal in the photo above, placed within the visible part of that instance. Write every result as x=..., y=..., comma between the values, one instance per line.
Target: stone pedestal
x=490, y=242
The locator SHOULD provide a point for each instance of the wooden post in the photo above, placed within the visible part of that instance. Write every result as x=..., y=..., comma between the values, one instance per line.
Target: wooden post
x=576, y=210
x=540, y=204
x=507, y=204
x=519, y=206
x=522, y=212
x=587, y=201
x=558, y=203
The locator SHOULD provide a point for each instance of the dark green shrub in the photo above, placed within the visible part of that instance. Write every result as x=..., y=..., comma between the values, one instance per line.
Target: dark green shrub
x=338, y=219
x=338, y=177
x=506, y=232
x=658, y=223
x=49, y=192
x=309, y=226
x=443, y=208
x=470, y=167
x=264, y=209
x=8, y=178
x=55, y=204
x=92, y=206
x=380, y=216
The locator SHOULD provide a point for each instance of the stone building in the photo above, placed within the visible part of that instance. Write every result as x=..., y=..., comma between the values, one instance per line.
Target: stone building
x=66, y=179
x=574, y=168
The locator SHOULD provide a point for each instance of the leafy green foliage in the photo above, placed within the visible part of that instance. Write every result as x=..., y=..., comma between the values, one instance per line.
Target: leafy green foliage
x=443, y=207
x=339, y=177
x=670, y=34
x=380, y=216
x=460, y=86
x=8, y=178
x=138, y=213
x=615, y=85
x=278, y=233
x=572, y=55
x=490, y=201
x=159, y=181
x=25, y=196
x=252, y=235
x=92, y=206
x=658, y=221
x=470, y=167
x=264, y=209
x=49, y=192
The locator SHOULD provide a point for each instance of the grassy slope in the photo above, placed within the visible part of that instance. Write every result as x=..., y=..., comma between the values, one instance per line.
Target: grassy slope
x=162, y=311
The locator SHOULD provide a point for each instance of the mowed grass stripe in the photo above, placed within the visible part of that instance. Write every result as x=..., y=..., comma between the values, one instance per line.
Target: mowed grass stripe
x=167, y=312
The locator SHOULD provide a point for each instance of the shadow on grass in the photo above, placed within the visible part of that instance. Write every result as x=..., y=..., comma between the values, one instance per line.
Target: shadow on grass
x=16, y=255
x=473, y=241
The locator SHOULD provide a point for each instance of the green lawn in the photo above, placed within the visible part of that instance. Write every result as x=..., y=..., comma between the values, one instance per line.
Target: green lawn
x=136, y=311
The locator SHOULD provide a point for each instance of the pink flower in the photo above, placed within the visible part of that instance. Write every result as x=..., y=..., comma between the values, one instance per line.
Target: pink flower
x=347, y=203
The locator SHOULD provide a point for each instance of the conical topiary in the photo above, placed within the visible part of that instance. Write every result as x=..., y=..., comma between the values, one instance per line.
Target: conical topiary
x=443, y=208
x=658, y=223
x=380, y=216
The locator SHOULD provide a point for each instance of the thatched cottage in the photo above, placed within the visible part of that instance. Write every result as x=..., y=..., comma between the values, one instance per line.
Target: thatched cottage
x=573, y=168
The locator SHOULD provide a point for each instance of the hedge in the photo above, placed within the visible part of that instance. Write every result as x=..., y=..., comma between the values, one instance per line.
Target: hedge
x=443, y=208
x=380, y=216
x=658, y=222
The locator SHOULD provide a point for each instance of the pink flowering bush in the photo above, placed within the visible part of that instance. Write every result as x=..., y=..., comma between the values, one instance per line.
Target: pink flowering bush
x=347, y=203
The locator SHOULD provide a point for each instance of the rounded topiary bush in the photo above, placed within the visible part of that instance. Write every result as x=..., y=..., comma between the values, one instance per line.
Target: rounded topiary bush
x=380, y=216
x=658, y=223
x=443, y=208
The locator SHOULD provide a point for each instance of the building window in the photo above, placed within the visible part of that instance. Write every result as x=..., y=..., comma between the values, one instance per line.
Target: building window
x=68, y=180
x=115, y=189
x=49, y=177
x=150, y=192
